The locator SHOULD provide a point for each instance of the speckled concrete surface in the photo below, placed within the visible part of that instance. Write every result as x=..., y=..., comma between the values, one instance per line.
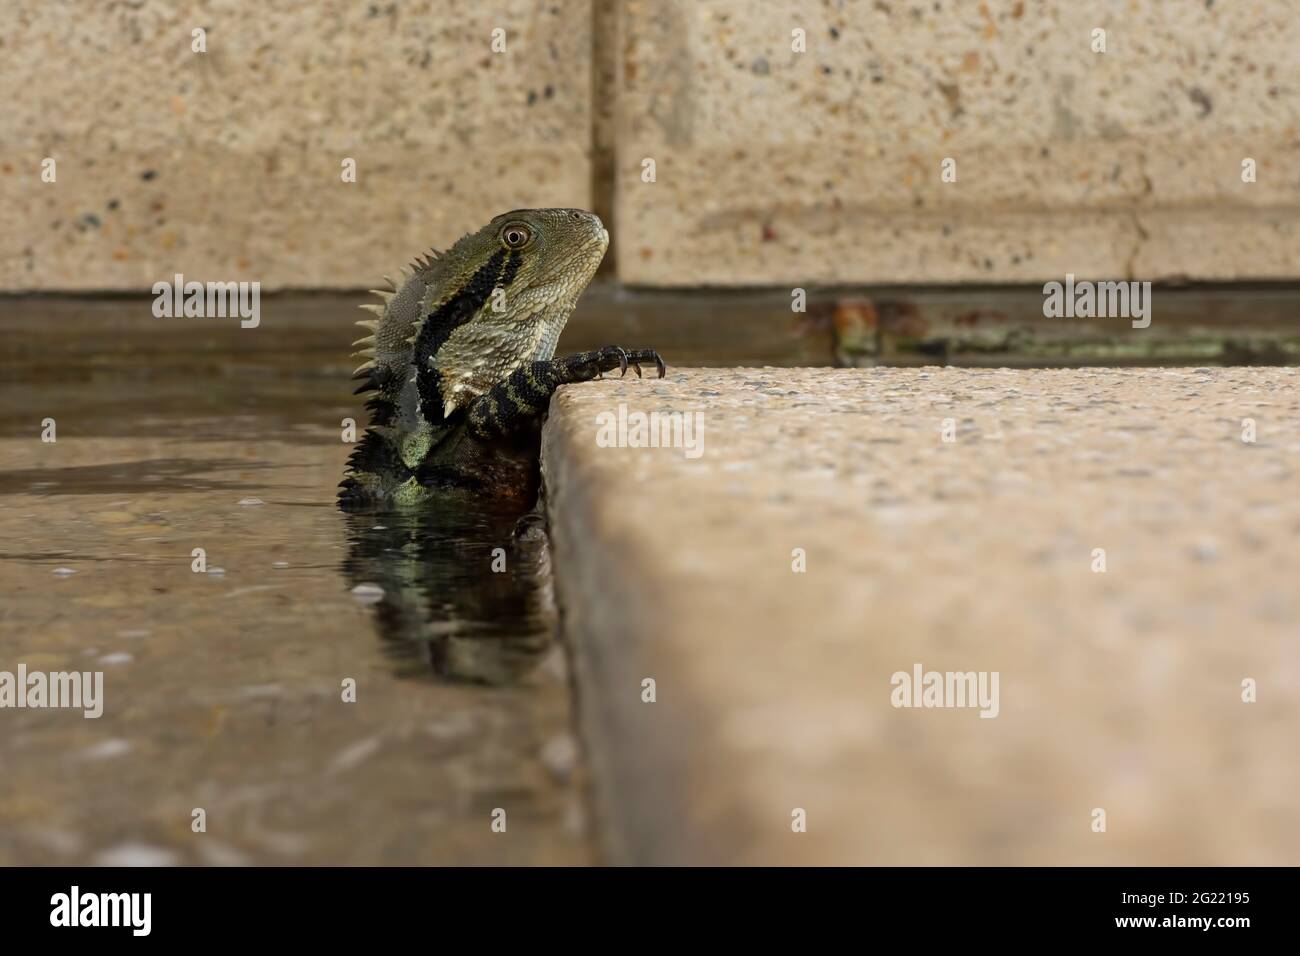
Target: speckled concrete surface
x=824, y=166
x=773, y=166
x=1119, y=690
x=226, y=165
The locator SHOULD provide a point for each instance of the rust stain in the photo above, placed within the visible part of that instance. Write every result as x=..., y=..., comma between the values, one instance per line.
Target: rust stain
x=854, y=318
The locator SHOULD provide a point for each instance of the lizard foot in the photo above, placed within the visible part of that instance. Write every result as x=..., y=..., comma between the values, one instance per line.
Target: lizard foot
x=635, y=357
x=594, y=364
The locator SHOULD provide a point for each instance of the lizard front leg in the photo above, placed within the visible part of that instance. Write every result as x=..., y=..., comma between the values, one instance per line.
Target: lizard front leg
x=526, y=393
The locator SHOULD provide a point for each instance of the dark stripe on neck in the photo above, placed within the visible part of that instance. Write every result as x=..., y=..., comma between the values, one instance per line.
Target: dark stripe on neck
x=459, y=309
x=428, y=384
x=511, y=270
x=439, y=324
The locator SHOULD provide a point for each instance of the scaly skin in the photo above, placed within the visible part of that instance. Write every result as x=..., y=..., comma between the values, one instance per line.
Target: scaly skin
x=460, y=361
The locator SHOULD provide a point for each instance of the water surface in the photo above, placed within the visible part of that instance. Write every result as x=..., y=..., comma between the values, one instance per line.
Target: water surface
x=225, y=687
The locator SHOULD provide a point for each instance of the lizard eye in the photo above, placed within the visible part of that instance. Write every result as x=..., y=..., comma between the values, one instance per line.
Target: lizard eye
x=515, y=235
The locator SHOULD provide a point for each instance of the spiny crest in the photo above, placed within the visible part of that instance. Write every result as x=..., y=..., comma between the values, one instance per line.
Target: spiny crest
x=423, y=263
x=420, y=264
x=399, y=305
x=372, y=325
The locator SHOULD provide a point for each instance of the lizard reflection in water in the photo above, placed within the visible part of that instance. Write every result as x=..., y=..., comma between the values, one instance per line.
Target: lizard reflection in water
x=443, y=605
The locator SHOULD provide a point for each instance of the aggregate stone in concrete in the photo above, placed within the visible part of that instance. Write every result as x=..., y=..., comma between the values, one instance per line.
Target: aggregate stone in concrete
x=1109, y=542
x=807, y=144
x=227, y=164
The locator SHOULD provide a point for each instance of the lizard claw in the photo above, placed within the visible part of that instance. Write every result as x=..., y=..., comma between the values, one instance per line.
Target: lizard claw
x=637, y=356
x=592, y=365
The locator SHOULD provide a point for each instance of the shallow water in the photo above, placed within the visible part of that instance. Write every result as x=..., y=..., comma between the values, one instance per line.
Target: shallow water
x=224, y=688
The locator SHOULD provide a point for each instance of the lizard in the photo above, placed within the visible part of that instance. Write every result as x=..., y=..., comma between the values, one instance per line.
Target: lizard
x=460, y=361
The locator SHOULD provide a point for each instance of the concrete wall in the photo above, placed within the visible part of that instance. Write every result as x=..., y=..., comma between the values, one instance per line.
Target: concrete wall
x=772, y=166
x=824, y=166
x=227, y=164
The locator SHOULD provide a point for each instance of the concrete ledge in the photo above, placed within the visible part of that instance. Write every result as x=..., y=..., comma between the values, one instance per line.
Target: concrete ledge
x=1119, y=691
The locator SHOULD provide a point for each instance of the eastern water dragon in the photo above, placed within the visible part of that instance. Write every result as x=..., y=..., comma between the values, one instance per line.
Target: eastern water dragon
x=459, y=361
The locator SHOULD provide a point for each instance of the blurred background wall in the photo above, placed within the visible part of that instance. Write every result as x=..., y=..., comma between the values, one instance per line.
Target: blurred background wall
x=778, y=156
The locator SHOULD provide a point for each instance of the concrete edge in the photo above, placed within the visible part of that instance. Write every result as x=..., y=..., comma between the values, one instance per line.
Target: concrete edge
x=638, y=756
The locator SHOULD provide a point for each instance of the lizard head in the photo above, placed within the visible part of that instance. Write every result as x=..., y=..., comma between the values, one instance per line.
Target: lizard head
x=535, y=257
x=462, y=320
x=500, y=297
